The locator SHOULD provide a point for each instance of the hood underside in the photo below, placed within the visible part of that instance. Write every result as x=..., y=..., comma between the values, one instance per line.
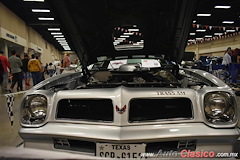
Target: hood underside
x=89, y=25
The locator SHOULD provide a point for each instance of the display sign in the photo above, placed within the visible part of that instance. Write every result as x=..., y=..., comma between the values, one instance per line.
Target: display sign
x=120, y=150
x=5, y=34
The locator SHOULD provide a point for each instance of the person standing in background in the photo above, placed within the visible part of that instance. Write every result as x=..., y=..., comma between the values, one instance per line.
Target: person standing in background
x=4, y=74
x=16, y=64
x=227, y=57
x=66, y=61
x=34, y=66
x=58, y=69
x=51, y=69
x=26, y=72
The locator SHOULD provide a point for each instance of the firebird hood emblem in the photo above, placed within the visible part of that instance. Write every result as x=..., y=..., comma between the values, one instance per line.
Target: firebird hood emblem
x=121, y=110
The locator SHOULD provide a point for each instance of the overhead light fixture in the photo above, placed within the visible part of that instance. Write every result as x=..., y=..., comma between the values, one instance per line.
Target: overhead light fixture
x=56, y=33
x=58, y=36
x=222, y=7
x=40, y=10
x=201, y=30
x=128, y=33
x=230, y=30
x=45, y=19
x=53, y=29
x=60, y=41
x=194, y=21
x=192, y=34
x=203, y=15
x=228, y=22
x=33, y=0
x=126, y=36
x=133, y=30
x=208, y=36
x=64, y=45
x=218, y=34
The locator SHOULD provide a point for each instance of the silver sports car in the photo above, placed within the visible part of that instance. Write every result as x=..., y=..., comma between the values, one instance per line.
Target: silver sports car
x=130, y=104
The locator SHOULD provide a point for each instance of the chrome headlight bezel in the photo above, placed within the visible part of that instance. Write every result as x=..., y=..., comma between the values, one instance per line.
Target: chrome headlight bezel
x=34, y=109
x=220, y=108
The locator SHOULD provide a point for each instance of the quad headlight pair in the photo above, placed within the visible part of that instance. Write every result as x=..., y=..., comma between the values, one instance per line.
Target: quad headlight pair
x=34, y=109
x=219, y=107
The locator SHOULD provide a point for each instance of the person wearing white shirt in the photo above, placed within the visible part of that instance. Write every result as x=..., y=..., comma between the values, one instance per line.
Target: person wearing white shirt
x=227, y=57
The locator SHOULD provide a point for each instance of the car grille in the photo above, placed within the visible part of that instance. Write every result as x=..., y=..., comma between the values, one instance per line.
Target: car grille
x=85, y=109
x=74, y=145
x=160, y=109
x=155, y=147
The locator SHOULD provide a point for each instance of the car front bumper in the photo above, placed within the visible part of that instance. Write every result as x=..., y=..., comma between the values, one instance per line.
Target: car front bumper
x=207, y=138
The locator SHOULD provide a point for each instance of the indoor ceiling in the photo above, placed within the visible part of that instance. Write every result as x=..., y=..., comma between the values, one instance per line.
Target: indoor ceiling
x=214, y=23
x=215, y=19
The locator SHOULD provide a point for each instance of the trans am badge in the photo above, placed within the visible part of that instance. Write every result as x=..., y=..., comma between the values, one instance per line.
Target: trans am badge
x=121, y=110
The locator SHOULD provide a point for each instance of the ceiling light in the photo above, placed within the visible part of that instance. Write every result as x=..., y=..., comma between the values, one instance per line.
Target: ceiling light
x=128, y=33
x=55, y=33
x=133, y=30
x=192, y=34
x=203, y=15
x=58, y=36
x=33, y=0
x=218, y=34
x=208, y=36
x=60, y=41
x=54, y=29
x=222, y=7
x=126, y=36
x=40, y=10
x=45, y=19
x=228, y=22
x=230, y=30
x=201, y=30
x=64, y=45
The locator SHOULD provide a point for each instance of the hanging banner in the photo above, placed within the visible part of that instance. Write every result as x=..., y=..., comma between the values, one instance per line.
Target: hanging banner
x=10, y=103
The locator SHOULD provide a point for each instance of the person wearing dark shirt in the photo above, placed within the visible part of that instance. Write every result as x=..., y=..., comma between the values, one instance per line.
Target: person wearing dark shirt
x=16, y=65
x=234, y=55
x=26, y=73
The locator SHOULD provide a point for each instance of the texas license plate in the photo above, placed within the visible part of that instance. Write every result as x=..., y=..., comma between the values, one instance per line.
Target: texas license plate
x=120, y=150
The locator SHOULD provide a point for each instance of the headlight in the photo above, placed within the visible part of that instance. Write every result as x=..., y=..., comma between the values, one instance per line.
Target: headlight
x=219, y=107
x=34, y=109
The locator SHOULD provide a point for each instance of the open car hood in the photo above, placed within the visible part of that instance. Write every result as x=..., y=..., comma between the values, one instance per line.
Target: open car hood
x=89, y=25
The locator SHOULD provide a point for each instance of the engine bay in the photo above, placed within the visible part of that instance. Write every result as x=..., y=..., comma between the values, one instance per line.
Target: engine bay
x=140, y=77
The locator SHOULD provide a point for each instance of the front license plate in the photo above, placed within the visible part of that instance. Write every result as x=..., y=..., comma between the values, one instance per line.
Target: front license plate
x=120, y=150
